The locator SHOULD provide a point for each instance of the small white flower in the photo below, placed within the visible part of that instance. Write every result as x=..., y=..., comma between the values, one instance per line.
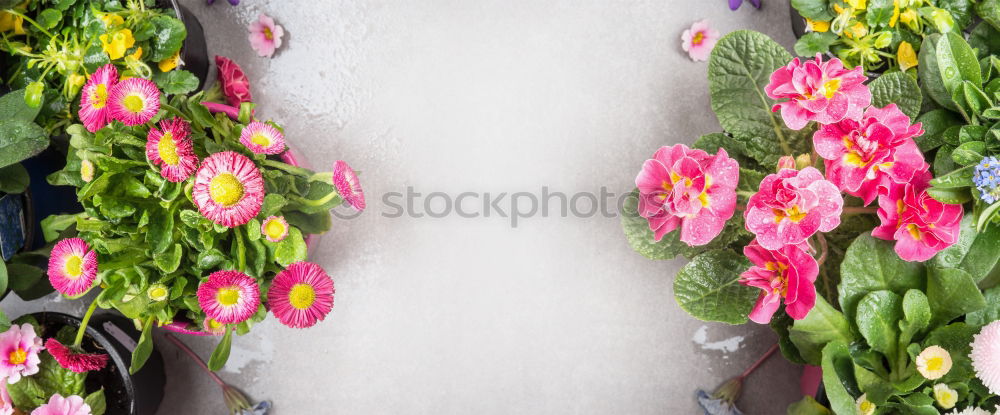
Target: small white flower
x=946, y=397
x=934, y=362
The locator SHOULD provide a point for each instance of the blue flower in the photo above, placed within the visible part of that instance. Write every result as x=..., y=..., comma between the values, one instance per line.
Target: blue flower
x=233, y=2
x=735, y=4
x=986, y=178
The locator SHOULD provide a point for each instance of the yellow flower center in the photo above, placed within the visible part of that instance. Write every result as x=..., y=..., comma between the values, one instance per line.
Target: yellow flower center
x=134, y=103
x=268, y=34
x=87, y=171
x=793, y=214
x=18, y=357
x=261, y=140
x=830, y=88
x=74, y=266
x=214, y=325
x=229, y=296
x=99, y=97
x=916, y=234
x=935, y=364
x=302, y=296
x=168, y=149
x=698, y=38
x=225, y=189
x=158, y=293
x=274, y=229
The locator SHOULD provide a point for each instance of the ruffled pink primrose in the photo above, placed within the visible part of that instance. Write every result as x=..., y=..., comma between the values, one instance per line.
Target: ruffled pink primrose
x=74, y=360
x=699, y=40
x=265, y=35
x=172, y=150
x=868, y=156
x=791, y=206
x=784, y=275
x=57, y=405
x=19, y=348
x=72, y=267
x=348, y=186
x=301, y=295
x=134, y=101
x=818, y=91
x=229, y=297
x=228, y=189
x=262, y=138
x=689, y=188
x=6, y=405
x=94, y=111
x=920, y=225
x=235, y=85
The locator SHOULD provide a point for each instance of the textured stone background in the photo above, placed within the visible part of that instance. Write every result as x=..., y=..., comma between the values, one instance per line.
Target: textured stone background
x=460, y=316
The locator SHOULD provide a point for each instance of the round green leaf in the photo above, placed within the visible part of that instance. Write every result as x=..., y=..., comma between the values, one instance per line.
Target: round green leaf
x=708, y=287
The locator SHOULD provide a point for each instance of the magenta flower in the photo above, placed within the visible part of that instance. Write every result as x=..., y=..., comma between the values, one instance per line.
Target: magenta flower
x=134, y=101
x=57, y=405
x=262, y=138
x=265, y=35
x=72, y=267
x=866, y=156
x=172, y=150
x=228, y=189
x=75, y=360
x=791, y=206
x=699, y=40
x=348, y=186
x=784, y=275
x=6, y=405
x=689, y=188
x=819, y=91
x=920, y=225
x=301, y=295
x=234, y=83
x=229, y=297
x=19, y=348
x=274, y=228
x=94, y=111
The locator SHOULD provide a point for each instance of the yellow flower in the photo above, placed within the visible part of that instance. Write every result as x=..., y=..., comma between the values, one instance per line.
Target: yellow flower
x=895, y=13
x=908, y=16
x=934, y=362
x=865, y=407
x=111, y=20
x=856, y=31
x=818, y=25
x=117, y=43
x=10, y=22
x=137, y=54
x=75, y=82
x=858, y=4
x=905, y=56
x=170, y=63
x=946, y=397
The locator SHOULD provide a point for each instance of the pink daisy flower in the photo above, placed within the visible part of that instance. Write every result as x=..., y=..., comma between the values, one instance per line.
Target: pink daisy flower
x=986, y=356
x=19, y=348
x=229, y=297
x=75, y=360
x=301, y=295
x=265, y=35
x=699, y=40
x=134, y=101
x=72, y=267
x=57, y=405
x=347, y=185
x=262, y=138
x=94, y=112
x=228, y=189
x=172, y=150
x=274, y=228
x=824, y=92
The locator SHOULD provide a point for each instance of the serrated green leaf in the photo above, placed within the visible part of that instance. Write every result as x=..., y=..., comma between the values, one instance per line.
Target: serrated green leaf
x=815, y=42
x=897, y=88
x=19, y=140
x=708, y=287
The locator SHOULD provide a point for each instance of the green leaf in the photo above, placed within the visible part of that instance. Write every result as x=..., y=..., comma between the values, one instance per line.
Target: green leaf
x=823, y=325
x=3, y=277
x=176, y=82
x=221, y=353
x=143, y=348
x=879, y=12
x=871, y=265
x=957, y=62
x=97, y=402
x=988, y=314
x=956, y=338
x=878, y=319
x=956, y=179
x=951, y=293
x=916, y=315
x=935, y=123
x=898, y=88
x=310, y=223
x=292, y=249
x=49, y=18
x=815, y=42
x=14, y=179
x=169, y=260
x=968, y=153
x=807, y=406
x=838, y=373
x=168, y=37
x=12, y=106
x=708, y=287
x=975, y=252
x=161, y=229
x=637, y=231
x=950, y=196
x=930, y=73
x=989, y=10
x=19, y=140
x=813, y=9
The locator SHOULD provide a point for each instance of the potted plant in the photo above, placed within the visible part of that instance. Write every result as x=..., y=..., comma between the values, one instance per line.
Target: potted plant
x=862, y=230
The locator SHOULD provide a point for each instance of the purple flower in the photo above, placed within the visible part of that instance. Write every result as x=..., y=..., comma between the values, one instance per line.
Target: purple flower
x=735, y=4
x=233, y=2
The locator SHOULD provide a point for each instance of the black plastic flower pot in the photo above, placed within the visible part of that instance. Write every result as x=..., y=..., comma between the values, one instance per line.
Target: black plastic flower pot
x=138, y=394
x=194, y=52
x=798, y=22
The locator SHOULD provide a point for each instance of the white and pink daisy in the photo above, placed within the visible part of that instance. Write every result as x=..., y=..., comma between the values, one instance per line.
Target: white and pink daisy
x=274, y=228
x=72, y=267
x=134, y=101
x=228, y=189
x=301, y=295
x=74, y=359
x=209, y=325
x=94, y=112
x=19, y=348
x=699, y=40
x=265, y=35
x=171, y=149
x=347, y=185
x=986, y=356
x=57, y=405
x=229, y=297
x=262, y=138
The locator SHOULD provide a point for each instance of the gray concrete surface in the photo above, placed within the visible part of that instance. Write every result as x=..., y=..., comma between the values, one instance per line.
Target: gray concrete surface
x=471, y=316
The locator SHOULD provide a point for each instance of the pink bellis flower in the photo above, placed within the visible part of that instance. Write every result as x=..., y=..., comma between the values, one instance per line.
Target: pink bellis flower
x=265, y=35
x=819, y=91
x=785, y=276
x=866, y=157
x=688, y=188
x=699, y=40
x=791, y=206
x=234, y=82
x=920, y=225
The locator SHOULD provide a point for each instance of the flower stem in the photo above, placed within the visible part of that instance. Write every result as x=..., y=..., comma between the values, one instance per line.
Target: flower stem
x=315, y=202
x=84, y=323
x=298, y=171
x=187, y=350
x=325, y=176
x=823, y=249
x=759, y=361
